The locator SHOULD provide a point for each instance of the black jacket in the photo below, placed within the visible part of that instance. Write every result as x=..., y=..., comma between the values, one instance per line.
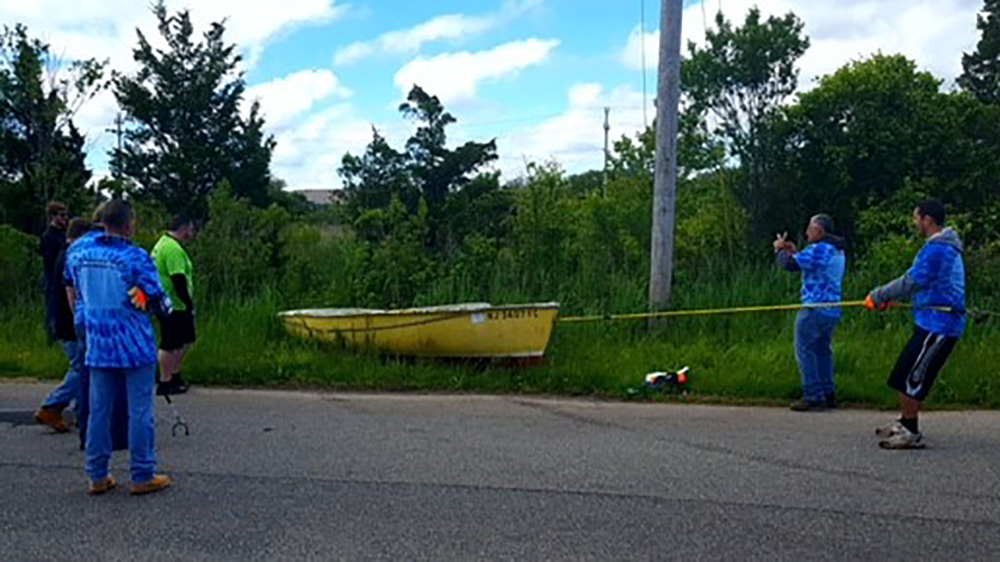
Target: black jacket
x=53, y=242
x=63, y=326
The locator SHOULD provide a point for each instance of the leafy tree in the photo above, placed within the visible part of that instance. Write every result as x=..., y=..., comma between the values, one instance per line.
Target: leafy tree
x=878, y=129
x=981, y=68
x=586, y=183
x=446, y=180
x=741, y=77
x=41, y=150
x=437, y=170
x=542, y=226
x=186, y=133
x=374, y=178
x=696, y=150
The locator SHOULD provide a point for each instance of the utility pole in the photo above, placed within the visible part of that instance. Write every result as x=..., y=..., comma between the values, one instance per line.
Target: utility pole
x=119, y=121
x=118, y=126
x=665, y=178
x=607, y=155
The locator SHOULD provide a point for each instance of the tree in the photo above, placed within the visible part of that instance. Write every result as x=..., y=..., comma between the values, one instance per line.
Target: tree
x=185, y=133
x=41, y=150
x=879, y=132
x=696, y=150
x=374, y=178
x=742, y=76
x=437, y=170
x=428, y=171
x=981, y=68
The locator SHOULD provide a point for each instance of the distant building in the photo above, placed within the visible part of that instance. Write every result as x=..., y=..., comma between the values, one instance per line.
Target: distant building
x=323, y=196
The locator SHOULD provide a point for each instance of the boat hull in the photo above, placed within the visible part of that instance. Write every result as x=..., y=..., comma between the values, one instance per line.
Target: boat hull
x=476, y=330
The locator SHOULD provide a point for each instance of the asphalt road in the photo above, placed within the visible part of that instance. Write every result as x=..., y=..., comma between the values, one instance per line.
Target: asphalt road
x=296, y=475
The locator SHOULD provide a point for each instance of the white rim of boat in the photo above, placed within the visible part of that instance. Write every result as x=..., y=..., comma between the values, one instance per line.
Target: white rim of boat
x=446, y=310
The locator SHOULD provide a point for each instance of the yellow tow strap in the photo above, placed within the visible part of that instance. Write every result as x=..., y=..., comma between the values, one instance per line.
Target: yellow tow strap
x=737, y=310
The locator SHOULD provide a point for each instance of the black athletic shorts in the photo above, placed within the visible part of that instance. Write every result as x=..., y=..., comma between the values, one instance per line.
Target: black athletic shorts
x=177, y=330
x=919, y=364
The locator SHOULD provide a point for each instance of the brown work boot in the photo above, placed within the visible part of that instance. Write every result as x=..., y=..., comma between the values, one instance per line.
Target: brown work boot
x=98, y=488
x=51, y=418
x=158, y=482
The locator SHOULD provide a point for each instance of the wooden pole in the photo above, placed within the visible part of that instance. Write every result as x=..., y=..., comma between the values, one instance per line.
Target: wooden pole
x=665, y=178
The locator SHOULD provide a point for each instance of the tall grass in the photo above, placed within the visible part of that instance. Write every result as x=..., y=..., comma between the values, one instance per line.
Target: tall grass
x=750, y=357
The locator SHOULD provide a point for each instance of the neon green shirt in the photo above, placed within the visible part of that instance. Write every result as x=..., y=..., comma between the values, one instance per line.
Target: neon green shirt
x=171, y=259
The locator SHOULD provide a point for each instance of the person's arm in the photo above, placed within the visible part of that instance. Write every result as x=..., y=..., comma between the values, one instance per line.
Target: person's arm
x=786, y=260
x=784, y=252
x=71, y=295
x=147, y=283
x=181, y=290
x=69, y=285
x=894, y=290
x=918, y=275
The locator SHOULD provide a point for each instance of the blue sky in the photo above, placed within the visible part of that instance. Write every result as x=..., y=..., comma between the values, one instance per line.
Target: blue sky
x=534, y=74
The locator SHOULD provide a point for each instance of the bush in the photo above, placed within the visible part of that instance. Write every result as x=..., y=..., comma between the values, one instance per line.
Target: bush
x=20, y=265
x=319, y=265
x=237, y=254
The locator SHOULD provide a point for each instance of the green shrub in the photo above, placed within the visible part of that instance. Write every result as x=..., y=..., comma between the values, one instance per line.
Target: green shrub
x=20, y=266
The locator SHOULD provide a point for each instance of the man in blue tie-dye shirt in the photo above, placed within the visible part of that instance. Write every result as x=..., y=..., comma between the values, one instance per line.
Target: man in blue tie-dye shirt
x=120, y=345
x=822, y=264
x=936, y=280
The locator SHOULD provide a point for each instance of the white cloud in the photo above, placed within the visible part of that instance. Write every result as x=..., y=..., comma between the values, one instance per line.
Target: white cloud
x=308, y=155
x=932, y=32
x=106, y=29
x=284, y=99
x=407, y=41
x=456, y=76
x=575, y=138
x=448, y=27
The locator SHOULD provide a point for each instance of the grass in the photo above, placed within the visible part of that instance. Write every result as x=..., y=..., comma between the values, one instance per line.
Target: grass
x=737, y=358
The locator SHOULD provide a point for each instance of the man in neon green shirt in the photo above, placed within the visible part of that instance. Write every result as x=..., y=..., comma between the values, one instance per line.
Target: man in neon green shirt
x=177, y=277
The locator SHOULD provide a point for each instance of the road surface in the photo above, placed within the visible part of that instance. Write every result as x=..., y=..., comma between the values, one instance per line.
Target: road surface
x=270, y=475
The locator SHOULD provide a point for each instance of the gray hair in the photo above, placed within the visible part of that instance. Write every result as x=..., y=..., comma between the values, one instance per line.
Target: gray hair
x=823, y=221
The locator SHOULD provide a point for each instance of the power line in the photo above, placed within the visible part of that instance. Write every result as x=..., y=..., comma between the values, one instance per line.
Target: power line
x=642, y=48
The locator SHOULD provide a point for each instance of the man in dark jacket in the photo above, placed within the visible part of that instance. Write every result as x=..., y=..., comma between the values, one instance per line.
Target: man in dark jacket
x=936, y=280
x=52, y=243
x=61, y=330
x=822, y=264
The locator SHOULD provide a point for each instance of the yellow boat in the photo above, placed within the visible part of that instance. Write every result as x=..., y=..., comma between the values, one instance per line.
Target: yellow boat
x=463, y=330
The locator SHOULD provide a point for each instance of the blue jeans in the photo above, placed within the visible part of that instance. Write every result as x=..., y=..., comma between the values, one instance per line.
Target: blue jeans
x=105, y=384
x=70, y=387
x=814, y=353
x=119, y=411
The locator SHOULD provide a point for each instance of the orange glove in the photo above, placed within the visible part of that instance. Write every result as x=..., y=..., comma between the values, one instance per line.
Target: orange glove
x=870, y=304
x=139, y=299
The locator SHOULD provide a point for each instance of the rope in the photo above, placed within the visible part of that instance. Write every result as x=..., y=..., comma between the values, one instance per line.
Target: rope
x=769, y=308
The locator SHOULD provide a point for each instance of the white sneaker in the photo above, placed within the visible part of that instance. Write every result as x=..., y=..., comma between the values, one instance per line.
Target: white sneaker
x=890, y=430
x=904, y=439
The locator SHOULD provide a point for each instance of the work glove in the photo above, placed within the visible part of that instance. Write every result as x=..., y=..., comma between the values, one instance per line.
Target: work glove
x=139, y=299
x=870, y=304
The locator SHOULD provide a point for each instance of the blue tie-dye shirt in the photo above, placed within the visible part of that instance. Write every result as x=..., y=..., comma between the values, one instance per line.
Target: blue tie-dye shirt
x=937, y=278
x=822, y=265
x=79, y=310
x=939, y=274
x=102, y=271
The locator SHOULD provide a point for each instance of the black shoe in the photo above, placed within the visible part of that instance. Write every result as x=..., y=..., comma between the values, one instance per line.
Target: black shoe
x=179, y=383
x=807, y=406
x=831, y=401
x=175, y=385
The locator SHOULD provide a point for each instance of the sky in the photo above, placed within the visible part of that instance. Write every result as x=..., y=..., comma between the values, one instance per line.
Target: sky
x=535, y=75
